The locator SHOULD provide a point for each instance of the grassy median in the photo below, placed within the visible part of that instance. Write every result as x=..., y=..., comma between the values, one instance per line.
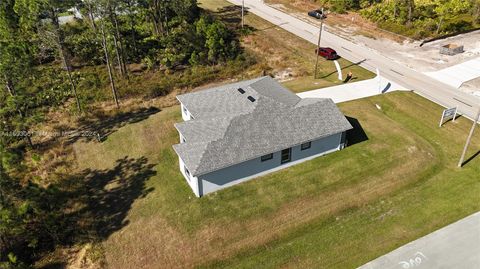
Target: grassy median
x=396, y=182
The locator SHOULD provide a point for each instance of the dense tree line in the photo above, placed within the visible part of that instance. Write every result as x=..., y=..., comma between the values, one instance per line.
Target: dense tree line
x=41, y=61
x=417, y=18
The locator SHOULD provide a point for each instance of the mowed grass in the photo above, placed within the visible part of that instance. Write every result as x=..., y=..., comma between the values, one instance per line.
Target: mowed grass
x=285, y=55
x=336, y=211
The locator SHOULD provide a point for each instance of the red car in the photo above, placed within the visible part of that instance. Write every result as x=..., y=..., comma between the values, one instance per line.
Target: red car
x=327, y=53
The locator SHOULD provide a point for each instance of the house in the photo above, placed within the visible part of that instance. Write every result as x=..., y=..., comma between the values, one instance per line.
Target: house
x=239, y=131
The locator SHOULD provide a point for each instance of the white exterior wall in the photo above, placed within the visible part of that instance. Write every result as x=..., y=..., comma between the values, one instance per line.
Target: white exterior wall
x=191, y=180
x=241, y=172
x=186, y=116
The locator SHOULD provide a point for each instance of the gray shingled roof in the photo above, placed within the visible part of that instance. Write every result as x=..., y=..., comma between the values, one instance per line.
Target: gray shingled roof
x=226, y=100
x=270, y=124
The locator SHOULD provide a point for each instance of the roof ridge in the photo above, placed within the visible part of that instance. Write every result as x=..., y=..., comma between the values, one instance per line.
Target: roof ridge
x=222, y=137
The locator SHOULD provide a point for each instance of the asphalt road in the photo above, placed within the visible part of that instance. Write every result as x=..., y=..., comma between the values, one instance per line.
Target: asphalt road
x=370, y=59
x=454, y=246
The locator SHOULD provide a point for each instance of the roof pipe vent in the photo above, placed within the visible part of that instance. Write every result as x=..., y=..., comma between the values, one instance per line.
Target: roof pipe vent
x=251, y=99
x=240, y=90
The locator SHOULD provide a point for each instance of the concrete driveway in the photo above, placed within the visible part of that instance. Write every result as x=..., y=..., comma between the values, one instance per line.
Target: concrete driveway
x=456, y=246
x=355, y=90
x=458, y=74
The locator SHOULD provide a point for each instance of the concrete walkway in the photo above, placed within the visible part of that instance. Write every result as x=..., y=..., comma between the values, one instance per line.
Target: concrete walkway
x=355, y=90
x=454, y=246
x=458, y=74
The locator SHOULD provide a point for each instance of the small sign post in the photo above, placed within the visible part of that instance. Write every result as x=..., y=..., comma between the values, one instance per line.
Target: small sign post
x=450, y=113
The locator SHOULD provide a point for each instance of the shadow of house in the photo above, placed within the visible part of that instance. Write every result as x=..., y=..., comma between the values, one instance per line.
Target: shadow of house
x=357, y=134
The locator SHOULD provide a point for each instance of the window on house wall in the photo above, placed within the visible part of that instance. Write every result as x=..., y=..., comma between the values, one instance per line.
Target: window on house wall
x=267, y=157
x=184, y=140
x=286, y=155
x=185, y=110
x=305, y=146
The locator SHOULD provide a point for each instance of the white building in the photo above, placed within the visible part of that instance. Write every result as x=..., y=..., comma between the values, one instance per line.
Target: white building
x=239, y=131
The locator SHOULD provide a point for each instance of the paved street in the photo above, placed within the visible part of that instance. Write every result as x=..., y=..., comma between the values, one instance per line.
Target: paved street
x=355, y=90
x=454, y=246
x=422, y=84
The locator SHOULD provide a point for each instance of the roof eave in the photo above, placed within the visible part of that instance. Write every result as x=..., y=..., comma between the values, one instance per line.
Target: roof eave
x=258, y=156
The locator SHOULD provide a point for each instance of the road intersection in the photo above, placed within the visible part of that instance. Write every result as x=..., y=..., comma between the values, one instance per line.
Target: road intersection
x=370, y=59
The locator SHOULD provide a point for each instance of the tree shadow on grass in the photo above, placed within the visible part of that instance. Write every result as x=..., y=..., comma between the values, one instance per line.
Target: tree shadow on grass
x=93, y=204
x=95, y=128
x=106, y=196
x=357, y=134
x=100, y=127
x=232, y=16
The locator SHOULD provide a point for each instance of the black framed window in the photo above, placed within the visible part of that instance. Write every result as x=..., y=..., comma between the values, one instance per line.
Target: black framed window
x=305, y=146
x=185, y=110
x=267, y=157
x=286, y=155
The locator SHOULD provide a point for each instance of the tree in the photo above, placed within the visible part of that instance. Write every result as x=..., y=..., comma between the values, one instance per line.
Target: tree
x=16, y=58
x=109, y=68
x=104, y=10
x=31, y=12
x=476, y=10
x=447, y=9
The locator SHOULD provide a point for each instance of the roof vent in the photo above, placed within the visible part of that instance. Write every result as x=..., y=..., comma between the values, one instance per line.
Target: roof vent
x=251, y=99
x=240, y=90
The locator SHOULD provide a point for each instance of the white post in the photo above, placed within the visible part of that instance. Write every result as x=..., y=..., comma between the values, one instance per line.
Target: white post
x=441, y=120
x=379, y=81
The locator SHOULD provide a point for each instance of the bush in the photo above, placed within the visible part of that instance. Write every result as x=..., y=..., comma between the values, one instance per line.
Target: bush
x=457, y=26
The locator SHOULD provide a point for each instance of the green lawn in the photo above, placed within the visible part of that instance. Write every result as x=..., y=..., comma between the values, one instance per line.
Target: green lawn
x=282, y=51
x=336, y=211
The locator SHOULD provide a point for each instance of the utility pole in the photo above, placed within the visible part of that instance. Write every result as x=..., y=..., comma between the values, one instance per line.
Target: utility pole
x=318, y=46
x=475, y=122
x=243, y=13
